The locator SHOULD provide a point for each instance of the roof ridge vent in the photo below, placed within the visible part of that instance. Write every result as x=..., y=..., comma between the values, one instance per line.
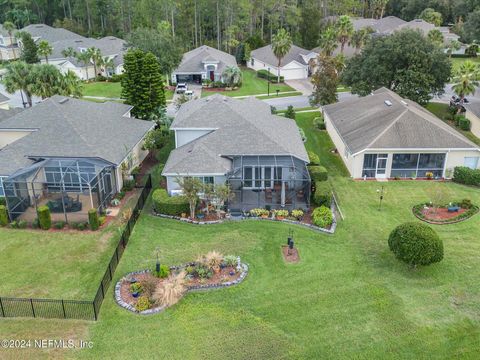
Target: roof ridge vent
x=388, y=103
x=63, y=101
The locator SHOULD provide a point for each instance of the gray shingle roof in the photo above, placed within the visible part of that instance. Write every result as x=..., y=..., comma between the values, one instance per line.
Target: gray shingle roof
x=242, y=127
x=50, y=34
x=369, y=123
x=266, y=55
x=192, y=61
x=3, y=98
x=5, y=114
x=72, y=128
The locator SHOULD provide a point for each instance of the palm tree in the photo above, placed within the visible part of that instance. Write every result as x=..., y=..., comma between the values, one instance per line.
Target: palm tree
x=96, y=58
x=47, y=80
x=435, y=36
x=70, y=85
x=232, y=76
x=281, y=44
x=328, y=41
x=452, y=46
x=344, y=29
x=108, y=64
x=85, y=59
x=466, y=79
x=44, y=49
x=360, y=38
x=19, y=78
x=9, y=28
x=69, y=52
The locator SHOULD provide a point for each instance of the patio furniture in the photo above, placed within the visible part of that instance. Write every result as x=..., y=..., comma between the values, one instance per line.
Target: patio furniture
x=71, y=205
x=268, y=195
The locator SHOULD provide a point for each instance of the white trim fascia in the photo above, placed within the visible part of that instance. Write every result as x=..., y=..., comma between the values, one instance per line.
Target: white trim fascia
x=193, y=129
x=21, y=130
x=416, y=149
x=296, y=62
x=189, y=73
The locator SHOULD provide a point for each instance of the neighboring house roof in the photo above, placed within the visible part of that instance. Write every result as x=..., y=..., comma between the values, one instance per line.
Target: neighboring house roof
x=266, y=55
x=194, y=60
x=3, y=32
x=67, y=127
x=387, y=24
x=5, y=114
x=239, y=127
x=50, y=34
x=473, y=107
x=372, y=123
x=417, y=24
x=3, y=98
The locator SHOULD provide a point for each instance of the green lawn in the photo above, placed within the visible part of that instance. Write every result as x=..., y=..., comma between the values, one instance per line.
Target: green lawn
x=252, y=85
x=58, y=265
x=441, y=111
x=110, y=90
x=457, y=62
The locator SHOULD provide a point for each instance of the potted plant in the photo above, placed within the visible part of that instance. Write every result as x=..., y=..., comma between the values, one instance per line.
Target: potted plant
x=429, y=175
x=135, y=289
x=281, y=214
x=183, y=215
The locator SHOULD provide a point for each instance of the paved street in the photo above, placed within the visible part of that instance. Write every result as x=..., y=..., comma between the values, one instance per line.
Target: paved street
x=16, y=99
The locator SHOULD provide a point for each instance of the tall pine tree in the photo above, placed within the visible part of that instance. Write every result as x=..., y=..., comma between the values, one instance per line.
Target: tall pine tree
x=142, y=84
x=29, y=48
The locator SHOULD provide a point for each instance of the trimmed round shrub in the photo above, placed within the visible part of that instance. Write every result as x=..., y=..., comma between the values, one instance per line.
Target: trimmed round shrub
x=322, y=194
x=93, y=219
x=314, y=158
x=318, y=173
x=322, y=217
x=3, y=215
x=319, y=123
x=416, y=244
x=169, y=205
x=464, y=124
x=44, y=218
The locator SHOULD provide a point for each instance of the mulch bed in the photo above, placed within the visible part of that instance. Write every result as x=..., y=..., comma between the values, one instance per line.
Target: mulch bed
x=290, y=256
x=441, y=214
x=220, y=277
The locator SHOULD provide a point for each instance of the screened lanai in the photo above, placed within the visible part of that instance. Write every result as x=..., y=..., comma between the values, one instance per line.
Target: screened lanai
x=69, y=187
x=269, y=181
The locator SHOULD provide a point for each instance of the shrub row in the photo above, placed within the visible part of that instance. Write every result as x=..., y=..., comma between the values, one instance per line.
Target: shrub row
x=169, y=205
x=3, y=215
x=264, y=74
x=314, y=158
x=318, y=173
x=322, y=195
x=466, y=176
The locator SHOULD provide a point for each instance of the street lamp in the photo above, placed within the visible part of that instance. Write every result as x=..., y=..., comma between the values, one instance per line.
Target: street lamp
x=268, y=82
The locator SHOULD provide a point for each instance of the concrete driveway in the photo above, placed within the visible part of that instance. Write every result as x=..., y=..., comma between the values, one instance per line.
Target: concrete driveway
x=302, y=85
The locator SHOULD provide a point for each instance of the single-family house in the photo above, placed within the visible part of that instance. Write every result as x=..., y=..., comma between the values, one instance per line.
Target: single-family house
x=296, y=64
x=69, y=154
x=224, y=140
x=385, y=136
x=111, y=48
x=472, y=112
x=8, y=45
x=202, y=63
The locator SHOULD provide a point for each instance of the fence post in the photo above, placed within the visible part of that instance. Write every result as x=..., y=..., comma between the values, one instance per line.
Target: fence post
x=94, y=310
x=63, y=307
x=33, y=310
x=1, y=306
x=101, y=287
x=116, y=253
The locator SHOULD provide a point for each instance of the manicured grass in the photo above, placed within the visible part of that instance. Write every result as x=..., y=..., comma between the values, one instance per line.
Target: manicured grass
x=54, y=265
x=457, y=62
x=111, y=90
x=319, y=141
x=252, y=85
x=294, y=93
x=441, y=111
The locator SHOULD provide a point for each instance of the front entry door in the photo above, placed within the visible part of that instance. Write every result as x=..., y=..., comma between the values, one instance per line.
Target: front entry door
x=381, y=172
x=212, y=75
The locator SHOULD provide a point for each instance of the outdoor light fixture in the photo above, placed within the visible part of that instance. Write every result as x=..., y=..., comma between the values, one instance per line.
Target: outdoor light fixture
x=278, y=91
x=157, y=265
x=381, y=193
x=290, y=247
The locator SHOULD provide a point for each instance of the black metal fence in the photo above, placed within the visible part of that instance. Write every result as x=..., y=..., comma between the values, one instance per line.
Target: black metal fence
x=76, y=309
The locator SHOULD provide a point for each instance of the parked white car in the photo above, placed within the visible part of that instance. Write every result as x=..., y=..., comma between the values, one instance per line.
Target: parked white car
x=181, y=88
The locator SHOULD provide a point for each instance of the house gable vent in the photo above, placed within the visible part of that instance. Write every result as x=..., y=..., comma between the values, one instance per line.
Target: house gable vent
x=388, y=103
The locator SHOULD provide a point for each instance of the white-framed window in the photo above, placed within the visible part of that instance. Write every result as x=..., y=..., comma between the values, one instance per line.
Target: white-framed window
x=471, y=162
x=206, y=179
x=252, y=61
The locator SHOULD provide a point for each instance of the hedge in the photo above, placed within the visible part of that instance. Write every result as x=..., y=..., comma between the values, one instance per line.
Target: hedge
x=93, y=219
x=319, y=123
x=466, y=176
x=416, y=244
x=3, y=215
x=464, y=124
x=169, y=205
x=314, y=158
x=318, y=173
x=264, y=74
x=322, y=217
x=44, y=218
x=322, y=194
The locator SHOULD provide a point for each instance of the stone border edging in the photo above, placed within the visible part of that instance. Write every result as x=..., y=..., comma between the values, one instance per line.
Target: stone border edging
x=193, y=288
x=294, y=222
x=444, y=222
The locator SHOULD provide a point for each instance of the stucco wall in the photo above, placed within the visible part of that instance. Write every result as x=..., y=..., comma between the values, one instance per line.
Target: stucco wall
x=475, y=120
x=172, y=184
x=348, y=159
x=138, y=156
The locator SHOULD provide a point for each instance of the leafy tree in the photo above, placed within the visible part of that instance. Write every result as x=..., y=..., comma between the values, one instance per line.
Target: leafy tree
x=190, y=187
x=325, y=80
x=70, y=85
x=378, y=8
x=159, y=42
x=156, y=139
x=281, y=44
x=452, y=46
x=344, y=29
x=472, y=50
x=436, y=37
x=44, y=49
x=10, y=28
x=222, y=194
x=142, y=84
x=46, y=80
x=328, y=41
x=19, y=78
x=309, y=28
x=471, y=28
x=232, y=76
x=360, y=37
x=405, y=62
x=29, y=48
x=466, y=79
x=431, y=16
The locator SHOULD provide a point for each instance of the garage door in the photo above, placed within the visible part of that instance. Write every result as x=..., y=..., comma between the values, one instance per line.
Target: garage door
x=297, y=73
x=189, y=78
